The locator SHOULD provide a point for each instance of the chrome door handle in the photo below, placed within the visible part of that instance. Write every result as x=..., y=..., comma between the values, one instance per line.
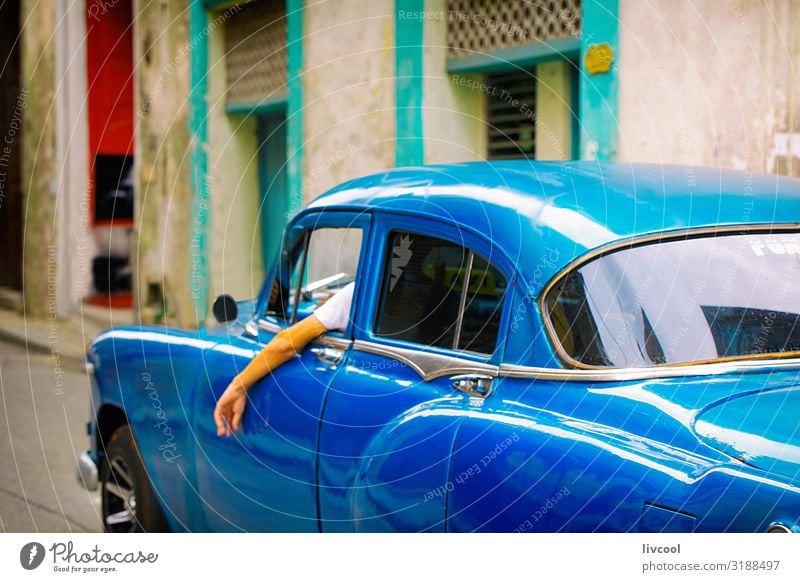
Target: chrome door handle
x=328, y=354
x=473, y=384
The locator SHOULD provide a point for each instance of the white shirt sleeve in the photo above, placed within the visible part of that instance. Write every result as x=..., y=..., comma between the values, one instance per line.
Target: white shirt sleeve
x=335, y=312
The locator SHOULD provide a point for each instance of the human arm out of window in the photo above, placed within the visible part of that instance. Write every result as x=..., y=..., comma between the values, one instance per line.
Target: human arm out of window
x=230, y=406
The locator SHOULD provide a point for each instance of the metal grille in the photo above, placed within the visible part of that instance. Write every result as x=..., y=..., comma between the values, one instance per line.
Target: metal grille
x=481, y=26
x=511, y=116
x=255, y=52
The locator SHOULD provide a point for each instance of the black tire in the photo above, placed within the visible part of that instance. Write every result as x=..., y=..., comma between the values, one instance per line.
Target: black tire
x=127, y=498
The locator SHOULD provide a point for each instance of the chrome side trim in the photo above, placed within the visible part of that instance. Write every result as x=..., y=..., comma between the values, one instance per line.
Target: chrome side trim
x=626, y=374
x=333, y=342
x=325, y=340
x=429, y=366
x=269, y=326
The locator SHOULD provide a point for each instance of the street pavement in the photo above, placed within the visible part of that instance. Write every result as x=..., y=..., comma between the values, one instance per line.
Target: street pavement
x=44, y=406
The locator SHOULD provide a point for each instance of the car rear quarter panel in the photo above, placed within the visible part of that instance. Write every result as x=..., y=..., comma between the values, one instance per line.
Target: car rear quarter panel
x=517, y=467
x=402, y=481
x=572, y=456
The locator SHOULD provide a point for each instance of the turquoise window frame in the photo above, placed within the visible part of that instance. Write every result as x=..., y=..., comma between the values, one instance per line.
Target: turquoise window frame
x=528, y=57
x=516, y=58
x=599, y=94
x=594, y=98
x=291, y=104
x=409, y=78
x=294, y=106
x=198, y=282
x=277, y=104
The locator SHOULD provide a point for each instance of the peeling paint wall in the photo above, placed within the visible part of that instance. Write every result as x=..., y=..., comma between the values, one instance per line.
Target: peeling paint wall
x=57, y=236
x=160, y=248
x=235, y=260
x=453, y=116
x=711, y=82
x=348, y=92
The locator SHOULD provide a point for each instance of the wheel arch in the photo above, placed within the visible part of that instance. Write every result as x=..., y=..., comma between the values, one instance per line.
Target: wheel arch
x=109, y=418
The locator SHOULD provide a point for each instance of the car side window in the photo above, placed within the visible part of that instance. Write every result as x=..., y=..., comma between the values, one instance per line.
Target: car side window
x=317, y=265
x=424, y=298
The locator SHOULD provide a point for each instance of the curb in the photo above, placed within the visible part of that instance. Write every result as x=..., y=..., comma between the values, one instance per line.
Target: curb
x=42, y=349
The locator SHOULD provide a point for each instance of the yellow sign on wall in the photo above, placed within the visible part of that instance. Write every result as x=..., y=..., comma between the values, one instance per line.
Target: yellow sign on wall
x=599, y=58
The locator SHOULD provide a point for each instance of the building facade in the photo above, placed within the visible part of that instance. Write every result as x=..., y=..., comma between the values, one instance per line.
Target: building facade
x=218, y=119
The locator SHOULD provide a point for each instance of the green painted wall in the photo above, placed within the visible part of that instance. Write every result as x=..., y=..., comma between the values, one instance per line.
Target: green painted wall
x=294, y=113
x=409, y=144
x=198, y=159
x=599, y=94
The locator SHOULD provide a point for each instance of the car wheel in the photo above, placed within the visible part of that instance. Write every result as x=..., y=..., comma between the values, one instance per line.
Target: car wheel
x=128, y=501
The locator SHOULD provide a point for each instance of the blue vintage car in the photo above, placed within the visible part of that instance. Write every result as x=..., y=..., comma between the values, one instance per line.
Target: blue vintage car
x=533, y=347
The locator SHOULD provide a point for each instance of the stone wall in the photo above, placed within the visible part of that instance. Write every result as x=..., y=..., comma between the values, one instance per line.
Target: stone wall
x=711, y=82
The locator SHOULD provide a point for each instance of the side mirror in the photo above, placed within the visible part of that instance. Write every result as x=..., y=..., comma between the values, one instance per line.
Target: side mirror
x=225, y=308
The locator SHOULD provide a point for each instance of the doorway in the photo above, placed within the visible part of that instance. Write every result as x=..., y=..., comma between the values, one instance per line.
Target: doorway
x=109, y=50
x=272, y=184
x=12, y=103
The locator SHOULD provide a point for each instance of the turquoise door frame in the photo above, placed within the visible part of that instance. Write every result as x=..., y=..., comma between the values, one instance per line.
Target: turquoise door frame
x=409, y=44
x=272, y=185
x=599, y=94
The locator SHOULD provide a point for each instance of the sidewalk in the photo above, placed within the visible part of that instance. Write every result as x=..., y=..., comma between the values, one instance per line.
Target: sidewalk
x=60, y=338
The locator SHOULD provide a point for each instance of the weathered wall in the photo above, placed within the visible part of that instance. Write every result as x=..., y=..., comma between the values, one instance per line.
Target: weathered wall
x=453, y=117
x=235, y=260
x=160, y=253
x=553, y=111
x=39, y=165
x=711, y=83
x=348, y=92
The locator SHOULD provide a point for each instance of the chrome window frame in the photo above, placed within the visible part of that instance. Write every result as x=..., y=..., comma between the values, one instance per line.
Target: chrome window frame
x=430, y=365
x=683, y=234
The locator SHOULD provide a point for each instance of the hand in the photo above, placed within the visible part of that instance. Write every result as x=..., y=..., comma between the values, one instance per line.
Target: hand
x=230, y=408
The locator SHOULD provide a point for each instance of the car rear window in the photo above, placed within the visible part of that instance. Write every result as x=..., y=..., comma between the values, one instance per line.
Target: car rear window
x=682, y=301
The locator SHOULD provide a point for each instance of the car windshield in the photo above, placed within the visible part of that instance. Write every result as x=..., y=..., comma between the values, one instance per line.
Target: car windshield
x=681, y=301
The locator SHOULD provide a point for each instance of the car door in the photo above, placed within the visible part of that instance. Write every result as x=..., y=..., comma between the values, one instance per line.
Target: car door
x=417, y=367
x=264, y=477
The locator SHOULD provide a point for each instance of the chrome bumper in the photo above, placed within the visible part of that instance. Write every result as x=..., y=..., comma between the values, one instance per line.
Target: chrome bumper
x=87, y=472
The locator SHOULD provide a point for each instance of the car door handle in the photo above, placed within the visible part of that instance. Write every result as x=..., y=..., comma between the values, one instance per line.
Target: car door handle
x=328, y=354
x=473, y=384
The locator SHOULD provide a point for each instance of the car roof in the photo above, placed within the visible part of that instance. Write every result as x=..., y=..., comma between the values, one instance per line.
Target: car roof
x=530, y=209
